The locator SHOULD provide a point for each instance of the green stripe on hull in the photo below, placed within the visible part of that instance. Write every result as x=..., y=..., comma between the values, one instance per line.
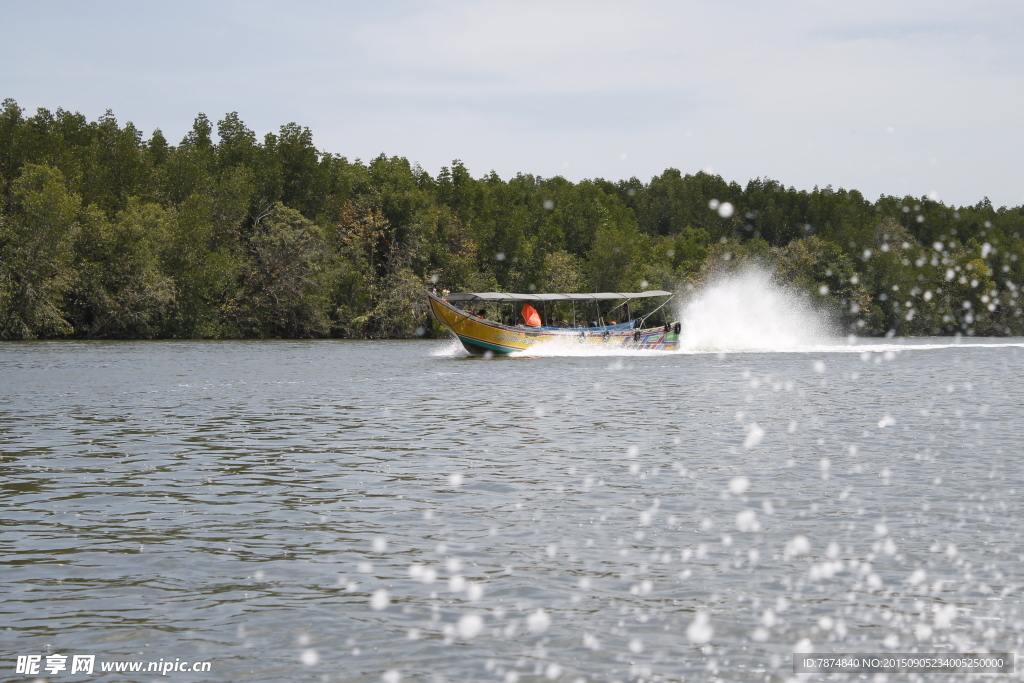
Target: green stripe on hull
x=479, y=347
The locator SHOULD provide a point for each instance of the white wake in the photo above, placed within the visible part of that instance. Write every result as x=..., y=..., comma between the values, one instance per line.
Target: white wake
x=749, y=311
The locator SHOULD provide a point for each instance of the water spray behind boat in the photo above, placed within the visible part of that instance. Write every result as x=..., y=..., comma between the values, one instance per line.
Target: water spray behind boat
x=749, y=310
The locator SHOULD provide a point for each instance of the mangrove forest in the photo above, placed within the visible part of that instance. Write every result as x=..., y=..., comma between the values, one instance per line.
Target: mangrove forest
x=107, y=233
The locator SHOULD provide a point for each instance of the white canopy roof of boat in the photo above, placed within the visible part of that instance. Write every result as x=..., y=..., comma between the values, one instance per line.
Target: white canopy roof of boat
x=511, y=297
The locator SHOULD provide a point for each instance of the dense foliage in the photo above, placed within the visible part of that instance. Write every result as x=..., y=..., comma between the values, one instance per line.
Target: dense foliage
x=107, y=234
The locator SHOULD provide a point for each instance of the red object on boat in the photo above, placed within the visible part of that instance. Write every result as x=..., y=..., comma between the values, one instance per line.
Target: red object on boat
x=531, y=316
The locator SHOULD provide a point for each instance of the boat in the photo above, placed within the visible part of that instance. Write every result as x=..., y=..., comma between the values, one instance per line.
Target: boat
x=515, y=324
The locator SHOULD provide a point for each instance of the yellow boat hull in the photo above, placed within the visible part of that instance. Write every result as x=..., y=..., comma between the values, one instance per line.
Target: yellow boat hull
x=480, y=336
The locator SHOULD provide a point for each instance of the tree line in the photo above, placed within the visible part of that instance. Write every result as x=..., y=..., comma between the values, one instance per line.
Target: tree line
x=105, y=233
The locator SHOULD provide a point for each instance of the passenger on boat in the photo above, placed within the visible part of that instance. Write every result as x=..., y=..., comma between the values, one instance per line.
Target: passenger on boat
x=482, y=314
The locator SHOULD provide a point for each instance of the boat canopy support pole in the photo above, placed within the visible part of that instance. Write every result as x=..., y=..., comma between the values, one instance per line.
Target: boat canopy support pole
x=643, y=320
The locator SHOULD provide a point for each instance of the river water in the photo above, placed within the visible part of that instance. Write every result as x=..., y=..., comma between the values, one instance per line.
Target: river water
x=386, y=511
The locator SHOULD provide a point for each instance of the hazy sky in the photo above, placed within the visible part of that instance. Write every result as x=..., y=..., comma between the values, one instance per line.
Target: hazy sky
x=887, y=97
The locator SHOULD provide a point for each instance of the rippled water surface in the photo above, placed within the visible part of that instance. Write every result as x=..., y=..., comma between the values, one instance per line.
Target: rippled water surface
x=368, y=511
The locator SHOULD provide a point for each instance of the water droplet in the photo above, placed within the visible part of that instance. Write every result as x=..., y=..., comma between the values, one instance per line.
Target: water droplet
x=470, y=625
x=798, y=545
x=380, y=600
x=755, y=435
x=746, y=520
x=538, y=621
x=700, y=631
x=944, y=616
x=739, y=485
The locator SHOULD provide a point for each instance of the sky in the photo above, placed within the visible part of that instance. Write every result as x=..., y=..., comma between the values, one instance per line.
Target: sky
x=887, y=97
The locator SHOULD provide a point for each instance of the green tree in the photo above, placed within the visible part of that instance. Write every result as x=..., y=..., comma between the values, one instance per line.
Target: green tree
x=285, y=279
x=115, y=165
x=121, y=290
x=206, y=270
x=562, y=273
x=819, y=268
x=618, y=260
x=36, y=255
